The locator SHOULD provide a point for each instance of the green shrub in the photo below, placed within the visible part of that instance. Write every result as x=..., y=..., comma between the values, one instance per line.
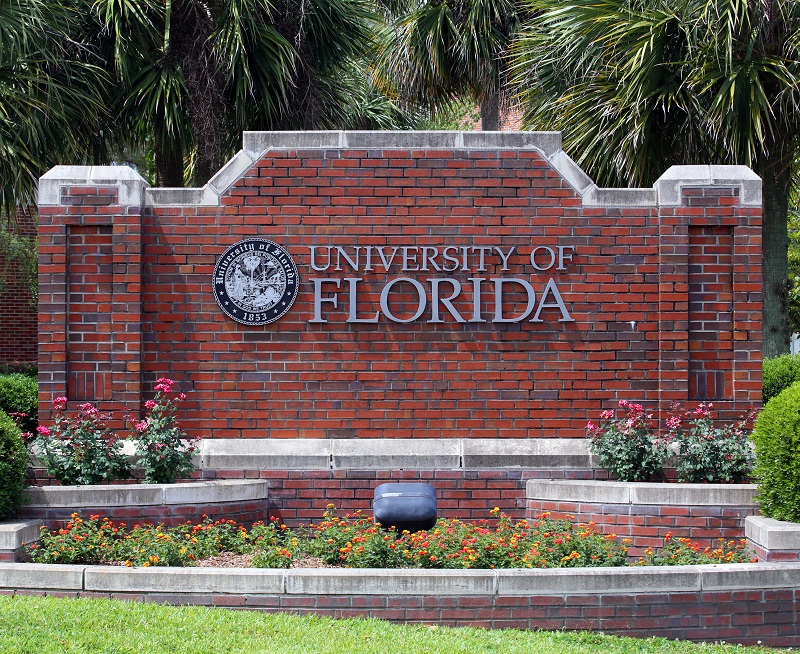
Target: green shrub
x=779, y=373
x=777, y=440
x=13, y=465
x=19, y=395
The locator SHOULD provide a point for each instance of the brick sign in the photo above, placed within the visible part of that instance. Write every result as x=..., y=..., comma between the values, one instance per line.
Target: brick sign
x=401, y=285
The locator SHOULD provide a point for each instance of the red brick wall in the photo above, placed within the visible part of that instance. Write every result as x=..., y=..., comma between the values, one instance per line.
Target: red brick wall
x=627, y=288
x=765, y=617
x=648, y=525
x=17, y=313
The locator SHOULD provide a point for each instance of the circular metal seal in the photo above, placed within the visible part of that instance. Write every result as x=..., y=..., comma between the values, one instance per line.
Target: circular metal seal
x=255, y=281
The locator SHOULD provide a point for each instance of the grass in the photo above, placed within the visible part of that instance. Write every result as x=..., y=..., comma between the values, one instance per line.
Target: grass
x=47, y=625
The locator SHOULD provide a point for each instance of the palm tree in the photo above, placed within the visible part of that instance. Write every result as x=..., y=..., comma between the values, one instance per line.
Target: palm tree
x=638, y=85
x=50, y=95
x=434, y=52
x=192, y=75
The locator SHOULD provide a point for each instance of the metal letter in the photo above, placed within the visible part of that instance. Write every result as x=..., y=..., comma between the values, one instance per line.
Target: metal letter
x=353, y=299
x=318, y=299
x=558, y=304
x=423, y=300
x=446, y=301
x=498, y=298
x=552, y=257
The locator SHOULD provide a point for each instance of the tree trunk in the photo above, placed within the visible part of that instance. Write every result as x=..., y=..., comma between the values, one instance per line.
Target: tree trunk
x=775, y=172
x=169, y=161
x=490, y=113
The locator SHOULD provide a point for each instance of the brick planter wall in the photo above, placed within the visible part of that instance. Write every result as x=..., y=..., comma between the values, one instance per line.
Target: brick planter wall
x=632, y=266
x=743, y=603
x=773, y=540
x=646, y=513
x=172, y=504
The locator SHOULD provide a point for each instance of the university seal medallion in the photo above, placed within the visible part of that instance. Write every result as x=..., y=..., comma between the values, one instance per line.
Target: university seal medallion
x=255, y=281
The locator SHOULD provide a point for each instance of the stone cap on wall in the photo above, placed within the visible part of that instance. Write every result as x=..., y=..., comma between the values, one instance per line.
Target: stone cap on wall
x=134, y=190
x=392, y=453
x=670, y=185
x=131, y=184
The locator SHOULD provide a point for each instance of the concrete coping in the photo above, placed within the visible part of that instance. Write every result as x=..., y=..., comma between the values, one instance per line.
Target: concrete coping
x=15, y=534
x=379, y=581
x=624, y=492
x=135, y=191
x=771, y=534
x=392, y=453
x=116, y=495
x=131, y=184
x=670, y=185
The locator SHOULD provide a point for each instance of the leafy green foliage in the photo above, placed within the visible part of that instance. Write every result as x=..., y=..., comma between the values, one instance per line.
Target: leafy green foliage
x=273, y=557
x=707, y=453
x=777, y=439
x=682, y=551
x=539, y=543
x=99, y=540
x=779, y=373
x=51, y=94
x=80, y=449
x=164, y=450
x=626, y=446
x=354, y=541
x=793, y=233
x=432, y=53
x=13, y=466
x=19, y=398
x=640, y=85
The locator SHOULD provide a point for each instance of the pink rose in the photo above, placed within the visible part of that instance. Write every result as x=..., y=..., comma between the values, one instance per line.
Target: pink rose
x=149, y=405
x=42, y=430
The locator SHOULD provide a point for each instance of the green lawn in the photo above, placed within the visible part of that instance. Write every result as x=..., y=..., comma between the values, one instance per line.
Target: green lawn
x=45, y=625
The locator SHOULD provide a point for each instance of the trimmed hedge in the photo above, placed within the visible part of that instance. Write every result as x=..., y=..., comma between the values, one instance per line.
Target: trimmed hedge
x=779, y=373
x=20, y=394
x=13, y=466
x=777, y=439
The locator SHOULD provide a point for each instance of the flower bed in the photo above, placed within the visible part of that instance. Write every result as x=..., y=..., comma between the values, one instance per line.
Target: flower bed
x=357, y=542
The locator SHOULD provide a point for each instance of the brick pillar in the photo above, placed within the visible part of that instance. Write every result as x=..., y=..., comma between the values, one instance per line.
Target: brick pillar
x=710, y=286
x=90, y=269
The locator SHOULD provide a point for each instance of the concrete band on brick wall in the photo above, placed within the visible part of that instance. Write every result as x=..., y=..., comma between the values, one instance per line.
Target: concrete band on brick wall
x=392, y=454
x=658, y=494
x=127, y=495
x=15, y=535
x=380, y=581
x=242, y=500
x=738, y=603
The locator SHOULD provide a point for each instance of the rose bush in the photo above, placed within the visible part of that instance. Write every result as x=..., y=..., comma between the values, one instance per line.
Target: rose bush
x=707, y=453
x=162, y=447
x=626, y=445
x=80, y=449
